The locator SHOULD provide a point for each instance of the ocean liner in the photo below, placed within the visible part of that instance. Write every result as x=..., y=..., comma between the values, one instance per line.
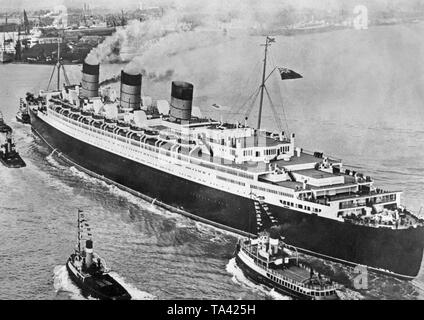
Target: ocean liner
x=216, y=172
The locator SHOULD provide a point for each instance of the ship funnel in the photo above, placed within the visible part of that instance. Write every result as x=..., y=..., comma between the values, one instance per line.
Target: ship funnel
x=90, y=80
x=130, y=90
x=181, y=101
x=274, y=241
x=89, y=253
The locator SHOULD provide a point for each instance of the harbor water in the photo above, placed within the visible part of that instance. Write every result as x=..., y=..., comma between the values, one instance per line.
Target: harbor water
x=360, y=100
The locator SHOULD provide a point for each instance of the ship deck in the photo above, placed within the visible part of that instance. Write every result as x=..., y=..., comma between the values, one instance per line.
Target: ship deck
x=249, y=167
x=294, y=272
x=303, y=164
x=289, y=184
x=303, y=158
x=316, y=174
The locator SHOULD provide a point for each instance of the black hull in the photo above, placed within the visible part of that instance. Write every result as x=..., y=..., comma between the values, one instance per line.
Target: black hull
x=12, y=162
x=88, y=287
x=397, y=252
x=4, y=128
x=25, y=119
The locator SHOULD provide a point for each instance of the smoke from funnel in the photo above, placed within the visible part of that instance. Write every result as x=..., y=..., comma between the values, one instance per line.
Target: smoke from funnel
x=188, y=42
x=91, y=59
x=183, y=16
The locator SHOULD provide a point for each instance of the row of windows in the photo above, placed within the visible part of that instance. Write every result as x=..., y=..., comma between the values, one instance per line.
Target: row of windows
x=272, y=191
x=363, y=202
x=288, y=283
x=154, y=149
x=245, y=175
x=285, y=149
x=151, y=148
x=231, y=180
x=285, y=283
x=127, y=146
x=269, y=152
x=247, y=153
x=106, y=140
x=266, y=152
x=385, y=198
x=300, y=206
x=297, y=288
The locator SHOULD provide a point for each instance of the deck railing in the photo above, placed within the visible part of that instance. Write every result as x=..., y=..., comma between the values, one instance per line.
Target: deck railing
x=206, y=164
x=310, y=289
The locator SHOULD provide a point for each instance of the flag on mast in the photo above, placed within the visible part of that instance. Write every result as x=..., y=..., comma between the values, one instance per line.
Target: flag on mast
x=288, y=74
x=270, y=39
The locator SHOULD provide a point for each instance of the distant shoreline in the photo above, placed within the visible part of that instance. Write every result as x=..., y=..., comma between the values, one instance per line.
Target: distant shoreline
x=330, y=28
x=42, y=63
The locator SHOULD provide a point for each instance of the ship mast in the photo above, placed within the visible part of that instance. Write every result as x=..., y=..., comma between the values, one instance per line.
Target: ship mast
x=79, y=230
x=267, y=43
x=4, y=36
x=58, y=66
x=262, y=89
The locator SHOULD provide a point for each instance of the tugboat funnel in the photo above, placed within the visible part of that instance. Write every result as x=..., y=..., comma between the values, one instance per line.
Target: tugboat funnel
x=89, y=253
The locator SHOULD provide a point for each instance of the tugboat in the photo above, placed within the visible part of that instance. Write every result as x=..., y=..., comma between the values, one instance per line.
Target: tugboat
x=268, y=260
x=8, y=154
x=89, y=271
x=23, y=115
x=4, y=128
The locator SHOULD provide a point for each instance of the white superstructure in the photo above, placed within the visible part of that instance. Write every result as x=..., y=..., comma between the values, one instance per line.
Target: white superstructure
x=255, y=164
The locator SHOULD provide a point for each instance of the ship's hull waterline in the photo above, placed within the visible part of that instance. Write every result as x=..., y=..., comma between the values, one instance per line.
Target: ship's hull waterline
x=396, y=252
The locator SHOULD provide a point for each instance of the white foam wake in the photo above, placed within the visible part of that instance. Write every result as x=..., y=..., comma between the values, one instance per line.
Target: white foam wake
x=135, y=293
x=240, y=278
x=63, y=283
x=86, y=177
x=419, y=286
x=151, y=207
x=348, y=294
x=52, y=161
x=217, y=235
